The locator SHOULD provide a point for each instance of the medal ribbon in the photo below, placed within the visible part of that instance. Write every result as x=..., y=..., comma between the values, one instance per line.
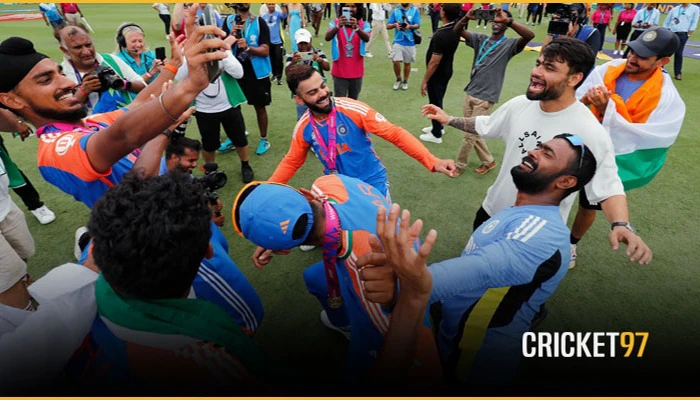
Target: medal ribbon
x=327, y=153
x=348, y=40
x=331, y=245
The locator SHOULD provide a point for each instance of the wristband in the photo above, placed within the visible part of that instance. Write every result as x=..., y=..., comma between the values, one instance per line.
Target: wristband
x=83, y=92
x=170, y=68
x=148, y=75
x=162, y=107
x=510, y=22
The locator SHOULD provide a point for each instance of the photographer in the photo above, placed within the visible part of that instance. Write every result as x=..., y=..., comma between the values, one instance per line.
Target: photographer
x=405, y=19
x=96, y=73
x=253, y=51
x=317, y=59
x=645, y=18
x=575, y=15
x=348, y=35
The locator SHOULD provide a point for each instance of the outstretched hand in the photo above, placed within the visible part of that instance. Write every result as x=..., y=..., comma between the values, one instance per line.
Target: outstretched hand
x=435, y=113
x=637, y=250
x=447, y=167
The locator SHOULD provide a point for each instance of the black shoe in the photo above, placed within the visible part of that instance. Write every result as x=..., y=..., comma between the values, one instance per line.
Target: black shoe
x=247, y=174
x=539, y=317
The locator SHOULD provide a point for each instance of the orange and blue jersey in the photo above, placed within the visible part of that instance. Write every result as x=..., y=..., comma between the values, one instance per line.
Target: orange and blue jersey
x=356, y=156
x=63, y=160
x=357, y=203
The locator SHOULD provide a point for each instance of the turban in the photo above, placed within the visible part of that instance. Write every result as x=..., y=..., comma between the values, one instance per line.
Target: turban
x=17, y=57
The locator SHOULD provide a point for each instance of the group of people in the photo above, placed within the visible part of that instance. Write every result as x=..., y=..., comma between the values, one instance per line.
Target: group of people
x=157, y=285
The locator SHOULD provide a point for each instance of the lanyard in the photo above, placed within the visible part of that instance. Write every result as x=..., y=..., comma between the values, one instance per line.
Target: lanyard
x=352, y=36
x=66, y=127
x=480, y=56
x=327, y=153
x=331, y=245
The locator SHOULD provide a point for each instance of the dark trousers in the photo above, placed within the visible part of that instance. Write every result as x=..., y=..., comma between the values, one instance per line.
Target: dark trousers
x=27, y=192
x=166, y=20
x=635, y=34
x=436, y=93
x=343, y=87
x=434, y=20
x=601, y=28
x=327, y=10
x=481, y=217
x=277, y=59
x=678, y=58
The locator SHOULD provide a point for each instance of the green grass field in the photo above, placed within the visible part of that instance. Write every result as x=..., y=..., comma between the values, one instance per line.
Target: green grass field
x=604, y=293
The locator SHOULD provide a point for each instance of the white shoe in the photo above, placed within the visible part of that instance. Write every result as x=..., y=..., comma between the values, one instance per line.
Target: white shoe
x=428, y=137
x=404, y=85
x=247, y=133
x=429, y=129
x=396, y=85
x=369, y=55
x=44, y=215
x=345, y=331
x=572, y=264
x=305, y=248
x=77, y=251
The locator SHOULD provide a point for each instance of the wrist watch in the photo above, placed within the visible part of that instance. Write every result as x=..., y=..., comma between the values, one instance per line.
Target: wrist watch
x=510, y=22
x=623, y=224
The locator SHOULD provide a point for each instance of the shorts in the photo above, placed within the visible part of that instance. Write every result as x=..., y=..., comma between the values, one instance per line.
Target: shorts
x=584, y=203
x=407, y=54
x=209, y=128
x=257, y=91
x=624, y=31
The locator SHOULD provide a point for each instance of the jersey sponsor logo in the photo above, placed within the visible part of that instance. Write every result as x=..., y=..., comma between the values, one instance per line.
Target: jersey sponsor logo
x=284, y=225
x=379, y=117
x=343, y=148
x=64, y=144
x=490, y=227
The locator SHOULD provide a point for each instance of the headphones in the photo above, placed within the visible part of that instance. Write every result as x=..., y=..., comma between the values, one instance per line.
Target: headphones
x=121, y=40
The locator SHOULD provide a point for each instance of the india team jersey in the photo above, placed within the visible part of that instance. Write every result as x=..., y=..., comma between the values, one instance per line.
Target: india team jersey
x=357, y=203
x=356, y=156
x=512, y=264
x=63, y=161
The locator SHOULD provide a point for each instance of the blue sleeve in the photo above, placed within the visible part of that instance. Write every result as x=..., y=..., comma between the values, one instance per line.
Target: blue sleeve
x=655, y=17
x=416, y=16
x=331, y=25
x=506, y=262
x=392, y=18
x=694, y=19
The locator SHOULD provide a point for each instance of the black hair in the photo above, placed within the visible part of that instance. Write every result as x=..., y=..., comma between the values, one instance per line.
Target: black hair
x=150, y=235
x=578, y=55
x=297, y=73
x=588, y=165
x=451, y=11
x=73, y=30
x=178, y=146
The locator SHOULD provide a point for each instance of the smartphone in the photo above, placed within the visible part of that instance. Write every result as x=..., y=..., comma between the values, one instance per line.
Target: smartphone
x=160, y=53
x=213, y=67
x=306, y=55
x=346, y=12
x=485, y=15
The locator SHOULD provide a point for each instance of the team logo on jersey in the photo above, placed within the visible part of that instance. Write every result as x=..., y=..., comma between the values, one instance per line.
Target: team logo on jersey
x=342, y=130
x=64, y=144
x=284, y=225
x=379, y=117
x=649, y=36
x=491, y=226
x=253, y=38
x=528, y=141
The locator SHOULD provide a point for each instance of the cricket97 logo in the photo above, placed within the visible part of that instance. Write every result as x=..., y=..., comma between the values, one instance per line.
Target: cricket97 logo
x=584, y=344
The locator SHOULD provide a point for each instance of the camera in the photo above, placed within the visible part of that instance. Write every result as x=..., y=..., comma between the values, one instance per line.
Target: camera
x=485, y=15
x=566, y=13
x=211, y=181
x=108, y=78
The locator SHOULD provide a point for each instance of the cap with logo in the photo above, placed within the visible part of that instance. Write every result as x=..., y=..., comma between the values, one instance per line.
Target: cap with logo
x=272, y=215
x=654, y=41
x=302, y=36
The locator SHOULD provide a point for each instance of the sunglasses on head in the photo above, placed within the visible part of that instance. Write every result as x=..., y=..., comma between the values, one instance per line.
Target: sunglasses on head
x=576, y=141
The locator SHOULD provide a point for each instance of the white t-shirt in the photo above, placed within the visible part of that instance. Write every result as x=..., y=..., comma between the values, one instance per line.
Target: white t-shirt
x=522, y=125
x=5, y=200
x=162, y=9
x=213, y=99
x=378, y=11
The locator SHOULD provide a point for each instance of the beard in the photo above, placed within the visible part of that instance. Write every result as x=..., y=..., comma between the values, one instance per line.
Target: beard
x=65, y=116
x=531, y=182
x=321, y=110
x=549, y=93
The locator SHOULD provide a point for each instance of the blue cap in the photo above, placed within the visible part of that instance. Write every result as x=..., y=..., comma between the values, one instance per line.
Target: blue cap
x=266, y=213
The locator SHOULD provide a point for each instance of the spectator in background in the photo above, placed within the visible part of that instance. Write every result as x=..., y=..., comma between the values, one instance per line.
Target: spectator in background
x=164, y=15
x=531, y=12
x=51, y=16
x=379, y=11
x=682, y=20
x=317, y=60
x=643, y=19
x=491, y=57
x=71, y=13
x=80, y=61
x=601, y=20
x=484, y=6
x=435, y=17
x=273, y=15
x=439, y=59
x=348, y=37
x=132, y=49
x=578, y=28
x=296, y=19
x=623, y=27
x=404, y=19
x=316, y=15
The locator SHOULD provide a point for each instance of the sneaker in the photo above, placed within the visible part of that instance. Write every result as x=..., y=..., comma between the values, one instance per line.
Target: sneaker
x=396, y=84
x=79, y=242
x=263, y=147
x=404, y=85
x=247, y=174
x=227, y=146
x=44, y=215
x=369, y=55
x=345, y=330
x=484, y=168
x=429, y=129
x=247, y=133
x=572, y=263
x=279, y=82
x=428, y=137
x=306, y=248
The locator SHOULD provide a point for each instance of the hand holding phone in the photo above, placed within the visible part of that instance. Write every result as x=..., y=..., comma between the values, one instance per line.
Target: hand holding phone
x=160, y=53
x=346, y=13
x=213, y=67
